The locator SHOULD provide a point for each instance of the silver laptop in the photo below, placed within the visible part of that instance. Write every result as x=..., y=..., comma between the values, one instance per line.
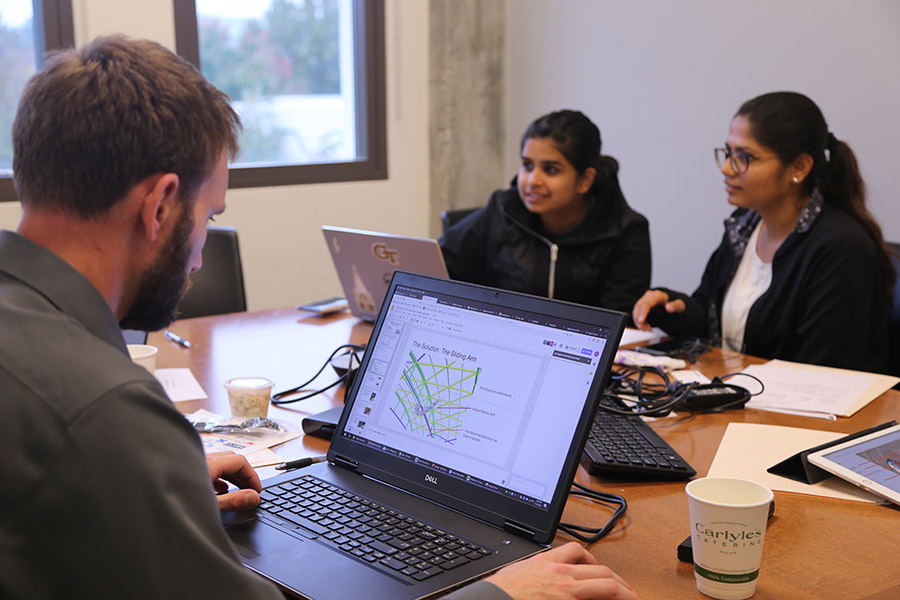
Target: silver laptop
x=365, y=261
x=455, y=451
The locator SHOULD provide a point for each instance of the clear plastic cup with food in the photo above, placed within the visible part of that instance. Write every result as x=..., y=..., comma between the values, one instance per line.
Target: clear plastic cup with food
x=249, y=396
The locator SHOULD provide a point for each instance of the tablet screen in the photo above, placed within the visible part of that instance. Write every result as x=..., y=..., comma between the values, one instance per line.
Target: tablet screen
x=875, y=457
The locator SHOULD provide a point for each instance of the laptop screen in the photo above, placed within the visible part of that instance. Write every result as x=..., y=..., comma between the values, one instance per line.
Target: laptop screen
x=480, y=392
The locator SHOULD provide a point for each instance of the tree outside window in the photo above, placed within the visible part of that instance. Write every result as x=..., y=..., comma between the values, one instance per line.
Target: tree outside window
x=306, y=76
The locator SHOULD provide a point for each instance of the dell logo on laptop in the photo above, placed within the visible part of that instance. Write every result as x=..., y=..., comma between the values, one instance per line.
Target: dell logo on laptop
x=432, y=479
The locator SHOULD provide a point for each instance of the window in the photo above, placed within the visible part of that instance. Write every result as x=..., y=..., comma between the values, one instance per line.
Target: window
x=306, y=77
x=27, y=30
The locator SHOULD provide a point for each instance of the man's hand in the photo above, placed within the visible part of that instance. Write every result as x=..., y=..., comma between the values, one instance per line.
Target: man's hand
x=564, y=573
x=227, y=467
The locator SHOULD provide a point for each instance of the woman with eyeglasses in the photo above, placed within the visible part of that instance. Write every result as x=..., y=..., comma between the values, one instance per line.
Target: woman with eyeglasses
x=802, y=273
x=563, y=228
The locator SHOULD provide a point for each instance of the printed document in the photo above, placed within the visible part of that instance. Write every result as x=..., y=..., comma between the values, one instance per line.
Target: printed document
x=815, y=391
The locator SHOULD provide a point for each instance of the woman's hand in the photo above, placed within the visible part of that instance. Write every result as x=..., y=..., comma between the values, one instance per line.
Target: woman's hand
x=650, y=300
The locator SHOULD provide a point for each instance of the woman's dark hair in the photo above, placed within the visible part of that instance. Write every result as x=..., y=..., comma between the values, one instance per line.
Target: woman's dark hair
x=791, y=124
x=578, y=139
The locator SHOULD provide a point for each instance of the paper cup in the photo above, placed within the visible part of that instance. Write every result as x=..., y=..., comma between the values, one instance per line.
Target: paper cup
x=728, y=526
x=249, y=396
x=143, y=355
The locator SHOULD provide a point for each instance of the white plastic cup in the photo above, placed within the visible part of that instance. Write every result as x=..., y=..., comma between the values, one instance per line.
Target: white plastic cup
x=249, y=396
x=144, y=355
x=728, y=526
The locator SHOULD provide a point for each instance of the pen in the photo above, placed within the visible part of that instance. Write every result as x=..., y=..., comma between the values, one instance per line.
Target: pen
x=300, y=463
x=893, y=466
x=172, y=337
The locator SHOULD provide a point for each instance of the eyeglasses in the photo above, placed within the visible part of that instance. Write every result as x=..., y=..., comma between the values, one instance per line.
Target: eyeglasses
x=740, y=161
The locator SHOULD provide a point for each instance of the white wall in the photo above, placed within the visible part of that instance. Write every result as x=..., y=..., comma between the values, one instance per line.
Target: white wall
x=284, y=254
x=662, y=79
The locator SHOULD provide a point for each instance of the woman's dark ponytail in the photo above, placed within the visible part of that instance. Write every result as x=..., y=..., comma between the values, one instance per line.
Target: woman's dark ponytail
x=607, y=170
x=843, y=184
x=791, y=124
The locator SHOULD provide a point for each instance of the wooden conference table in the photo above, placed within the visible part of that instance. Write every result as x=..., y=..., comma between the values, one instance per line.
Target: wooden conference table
x=815, y=547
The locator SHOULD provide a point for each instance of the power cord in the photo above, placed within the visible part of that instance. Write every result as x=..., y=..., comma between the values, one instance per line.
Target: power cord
x=650, y=392
x=352, y=350
x=636, y=391
x=718, y=396
x=691, y=350
x=602, y=497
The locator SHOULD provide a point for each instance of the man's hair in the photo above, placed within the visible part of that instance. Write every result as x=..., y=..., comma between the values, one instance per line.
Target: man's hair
x=95, y=122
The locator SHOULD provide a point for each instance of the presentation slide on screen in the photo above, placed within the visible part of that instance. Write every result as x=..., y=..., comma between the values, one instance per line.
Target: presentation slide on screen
x=460, y=395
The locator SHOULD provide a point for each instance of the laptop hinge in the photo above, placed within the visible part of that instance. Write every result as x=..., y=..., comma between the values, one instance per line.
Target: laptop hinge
x=346, y=463
x=518, y=530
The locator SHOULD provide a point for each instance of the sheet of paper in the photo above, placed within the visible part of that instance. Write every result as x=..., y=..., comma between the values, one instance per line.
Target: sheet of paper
x=180, y=384
x=808, y=390
x=264, y=458
x=636, y=336
x=748, y=449
x=690, y=376
x=880, y=385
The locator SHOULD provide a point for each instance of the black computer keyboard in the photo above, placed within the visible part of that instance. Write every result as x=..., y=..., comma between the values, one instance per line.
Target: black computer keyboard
x=626, y=445
x=383, y=538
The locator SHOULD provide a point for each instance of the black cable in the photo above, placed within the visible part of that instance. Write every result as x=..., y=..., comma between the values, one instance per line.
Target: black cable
x=762, y=386
x=353, y=349
x=718, y=396
x=632, y=392
x=603, y=498
x=689, y=350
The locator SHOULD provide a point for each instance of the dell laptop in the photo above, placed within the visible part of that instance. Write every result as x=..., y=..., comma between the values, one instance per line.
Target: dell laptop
x=365, y=261
x=455, y=451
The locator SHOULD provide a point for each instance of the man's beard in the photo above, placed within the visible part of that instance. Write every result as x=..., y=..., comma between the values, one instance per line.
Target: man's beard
x=164, y=284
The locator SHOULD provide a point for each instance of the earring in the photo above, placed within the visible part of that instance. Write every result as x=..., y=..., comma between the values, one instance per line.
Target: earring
x=796, y=180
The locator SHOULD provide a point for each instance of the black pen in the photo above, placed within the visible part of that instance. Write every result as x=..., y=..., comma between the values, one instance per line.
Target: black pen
x=172, y=337
x=301, y=462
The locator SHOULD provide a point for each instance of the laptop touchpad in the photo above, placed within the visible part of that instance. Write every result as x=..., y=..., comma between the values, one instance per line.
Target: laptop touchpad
x=254, y=539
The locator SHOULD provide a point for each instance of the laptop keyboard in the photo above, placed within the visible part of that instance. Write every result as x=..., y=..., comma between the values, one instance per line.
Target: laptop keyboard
x=385, y=539
x=625, y=444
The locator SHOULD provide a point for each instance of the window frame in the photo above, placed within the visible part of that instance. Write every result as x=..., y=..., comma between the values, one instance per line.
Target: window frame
x=57, y=31
x=368, y=21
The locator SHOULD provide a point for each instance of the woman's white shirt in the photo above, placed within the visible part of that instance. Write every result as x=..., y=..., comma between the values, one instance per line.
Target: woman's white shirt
x=750, y=281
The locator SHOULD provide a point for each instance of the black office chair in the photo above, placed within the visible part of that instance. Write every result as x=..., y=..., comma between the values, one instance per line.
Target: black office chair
x=218, y=287
x=449, y=217
x=894, y=322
